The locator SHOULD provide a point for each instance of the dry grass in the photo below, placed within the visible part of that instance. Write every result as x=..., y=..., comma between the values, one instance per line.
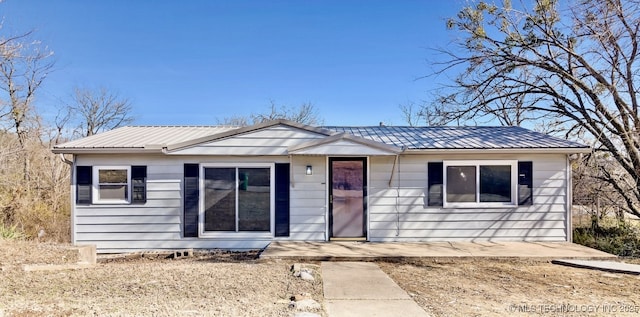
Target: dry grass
x=236, y=284
x=217, y=284
x=18, y=252
x=507, y=287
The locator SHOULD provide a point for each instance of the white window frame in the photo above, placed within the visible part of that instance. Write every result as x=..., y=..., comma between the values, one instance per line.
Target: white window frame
x=237, y=234
x=477, y=203
x=96, y=185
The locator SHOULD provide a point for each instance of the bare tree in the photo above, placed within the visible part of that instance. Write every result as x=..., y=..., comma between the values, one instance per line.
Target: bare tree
x=99, y=110
x=416, y=114
x=34, y=189
x=306, y=113
x=236, y=121
x=24, y=65
x=574, y=63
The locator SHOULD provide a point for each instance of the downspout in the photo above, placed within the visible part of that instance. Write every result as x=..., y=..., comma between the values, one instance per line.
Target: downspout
x=569, y=201
x=72, y=193
x=393, y=169
x=398, y=198
x=327, y=183
x=65, y=160
x=396, y=162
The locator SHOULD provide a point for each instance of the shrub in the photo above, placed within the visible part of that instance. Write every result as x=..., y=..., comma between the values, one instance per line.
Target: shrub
x=35, y=204
x=11, y=232
x=621, y=240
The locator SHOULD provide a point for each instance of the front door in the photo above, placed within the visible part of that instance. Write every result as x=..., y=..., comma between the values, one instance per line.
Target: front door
x=347, y=197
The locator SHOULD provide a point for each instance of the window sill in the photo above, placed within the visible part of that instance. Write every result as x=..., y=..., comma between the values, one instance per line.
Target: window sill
x=479, y=205
x=235, y=235
x=111, y=202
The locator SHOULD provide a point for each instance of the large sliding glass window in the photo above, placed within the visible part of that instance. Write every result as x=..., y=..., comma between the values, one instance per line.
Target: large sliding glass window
x=495, y=184
x=220, y=199
x=237, y=199
x=461, y=184
x=254, y=199
x=480, y=184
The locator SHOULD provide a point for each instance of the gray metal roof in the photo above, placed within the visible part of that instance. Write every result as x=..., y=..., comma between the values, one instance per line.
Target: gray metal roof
x=458, y=137
x=143, y=137
x=413, y=138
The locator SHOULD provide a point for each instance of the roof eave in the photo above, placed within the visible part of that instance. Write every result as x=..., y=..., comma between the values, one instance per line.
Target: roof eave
x=581, y=150
x=106, y=150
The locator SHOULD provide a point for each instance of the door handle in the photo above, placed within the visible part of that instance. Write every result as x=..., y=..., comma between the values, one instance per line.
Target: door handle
x=331, y=199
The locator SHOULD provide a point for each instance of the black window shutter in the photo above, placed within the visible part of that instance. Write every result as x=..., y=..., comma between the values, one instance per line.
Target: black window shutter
x=83, y=185
x=434, y=183
x=191, y=198
x=525, y=183
x=282, y=200
x=139, y=184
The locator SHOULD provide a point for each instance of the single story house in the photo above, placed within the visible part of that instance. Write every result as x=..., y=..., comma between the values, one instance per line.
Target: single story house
x=175, y=187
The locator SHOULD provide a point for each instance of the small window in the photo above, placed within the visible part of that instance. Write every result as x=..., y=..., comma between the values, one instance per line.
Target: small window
x=111, y=184
x=480, y=184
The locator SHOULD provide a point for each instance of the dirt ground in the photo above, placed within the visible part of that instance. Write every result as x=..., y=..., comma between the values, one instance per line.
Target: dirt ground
x=207, y=284
x=515, y=287
x=236, y=284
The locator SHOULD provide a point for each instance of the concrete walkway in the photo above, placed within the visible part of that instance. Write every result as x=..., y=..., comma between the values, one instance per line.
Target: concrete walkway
x=608, y=266
x=371, y=251
x=361, y=289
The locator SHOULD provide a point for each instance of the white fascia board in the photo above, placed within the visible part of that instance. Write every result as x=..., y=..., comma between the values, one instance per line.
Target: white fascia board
x=105, y=150
x=501, y=151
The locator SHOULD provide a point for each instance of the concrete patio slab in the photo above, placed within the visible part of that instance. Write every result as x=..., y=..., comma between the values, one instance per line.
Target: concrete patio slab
x=607, y=266
x=362, y=289
x=371, y=251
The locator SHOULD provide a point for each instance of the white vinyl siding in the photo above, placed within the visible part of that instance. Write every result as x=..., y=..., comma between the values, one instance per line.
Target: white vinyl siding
x=342, y=148
x=308, y=199
x=270, y=141
x=400, y=212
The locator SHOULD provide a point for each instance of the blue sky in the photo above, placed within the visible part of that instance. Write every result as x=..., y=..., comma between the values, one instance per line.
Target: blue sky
x=196, y=62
